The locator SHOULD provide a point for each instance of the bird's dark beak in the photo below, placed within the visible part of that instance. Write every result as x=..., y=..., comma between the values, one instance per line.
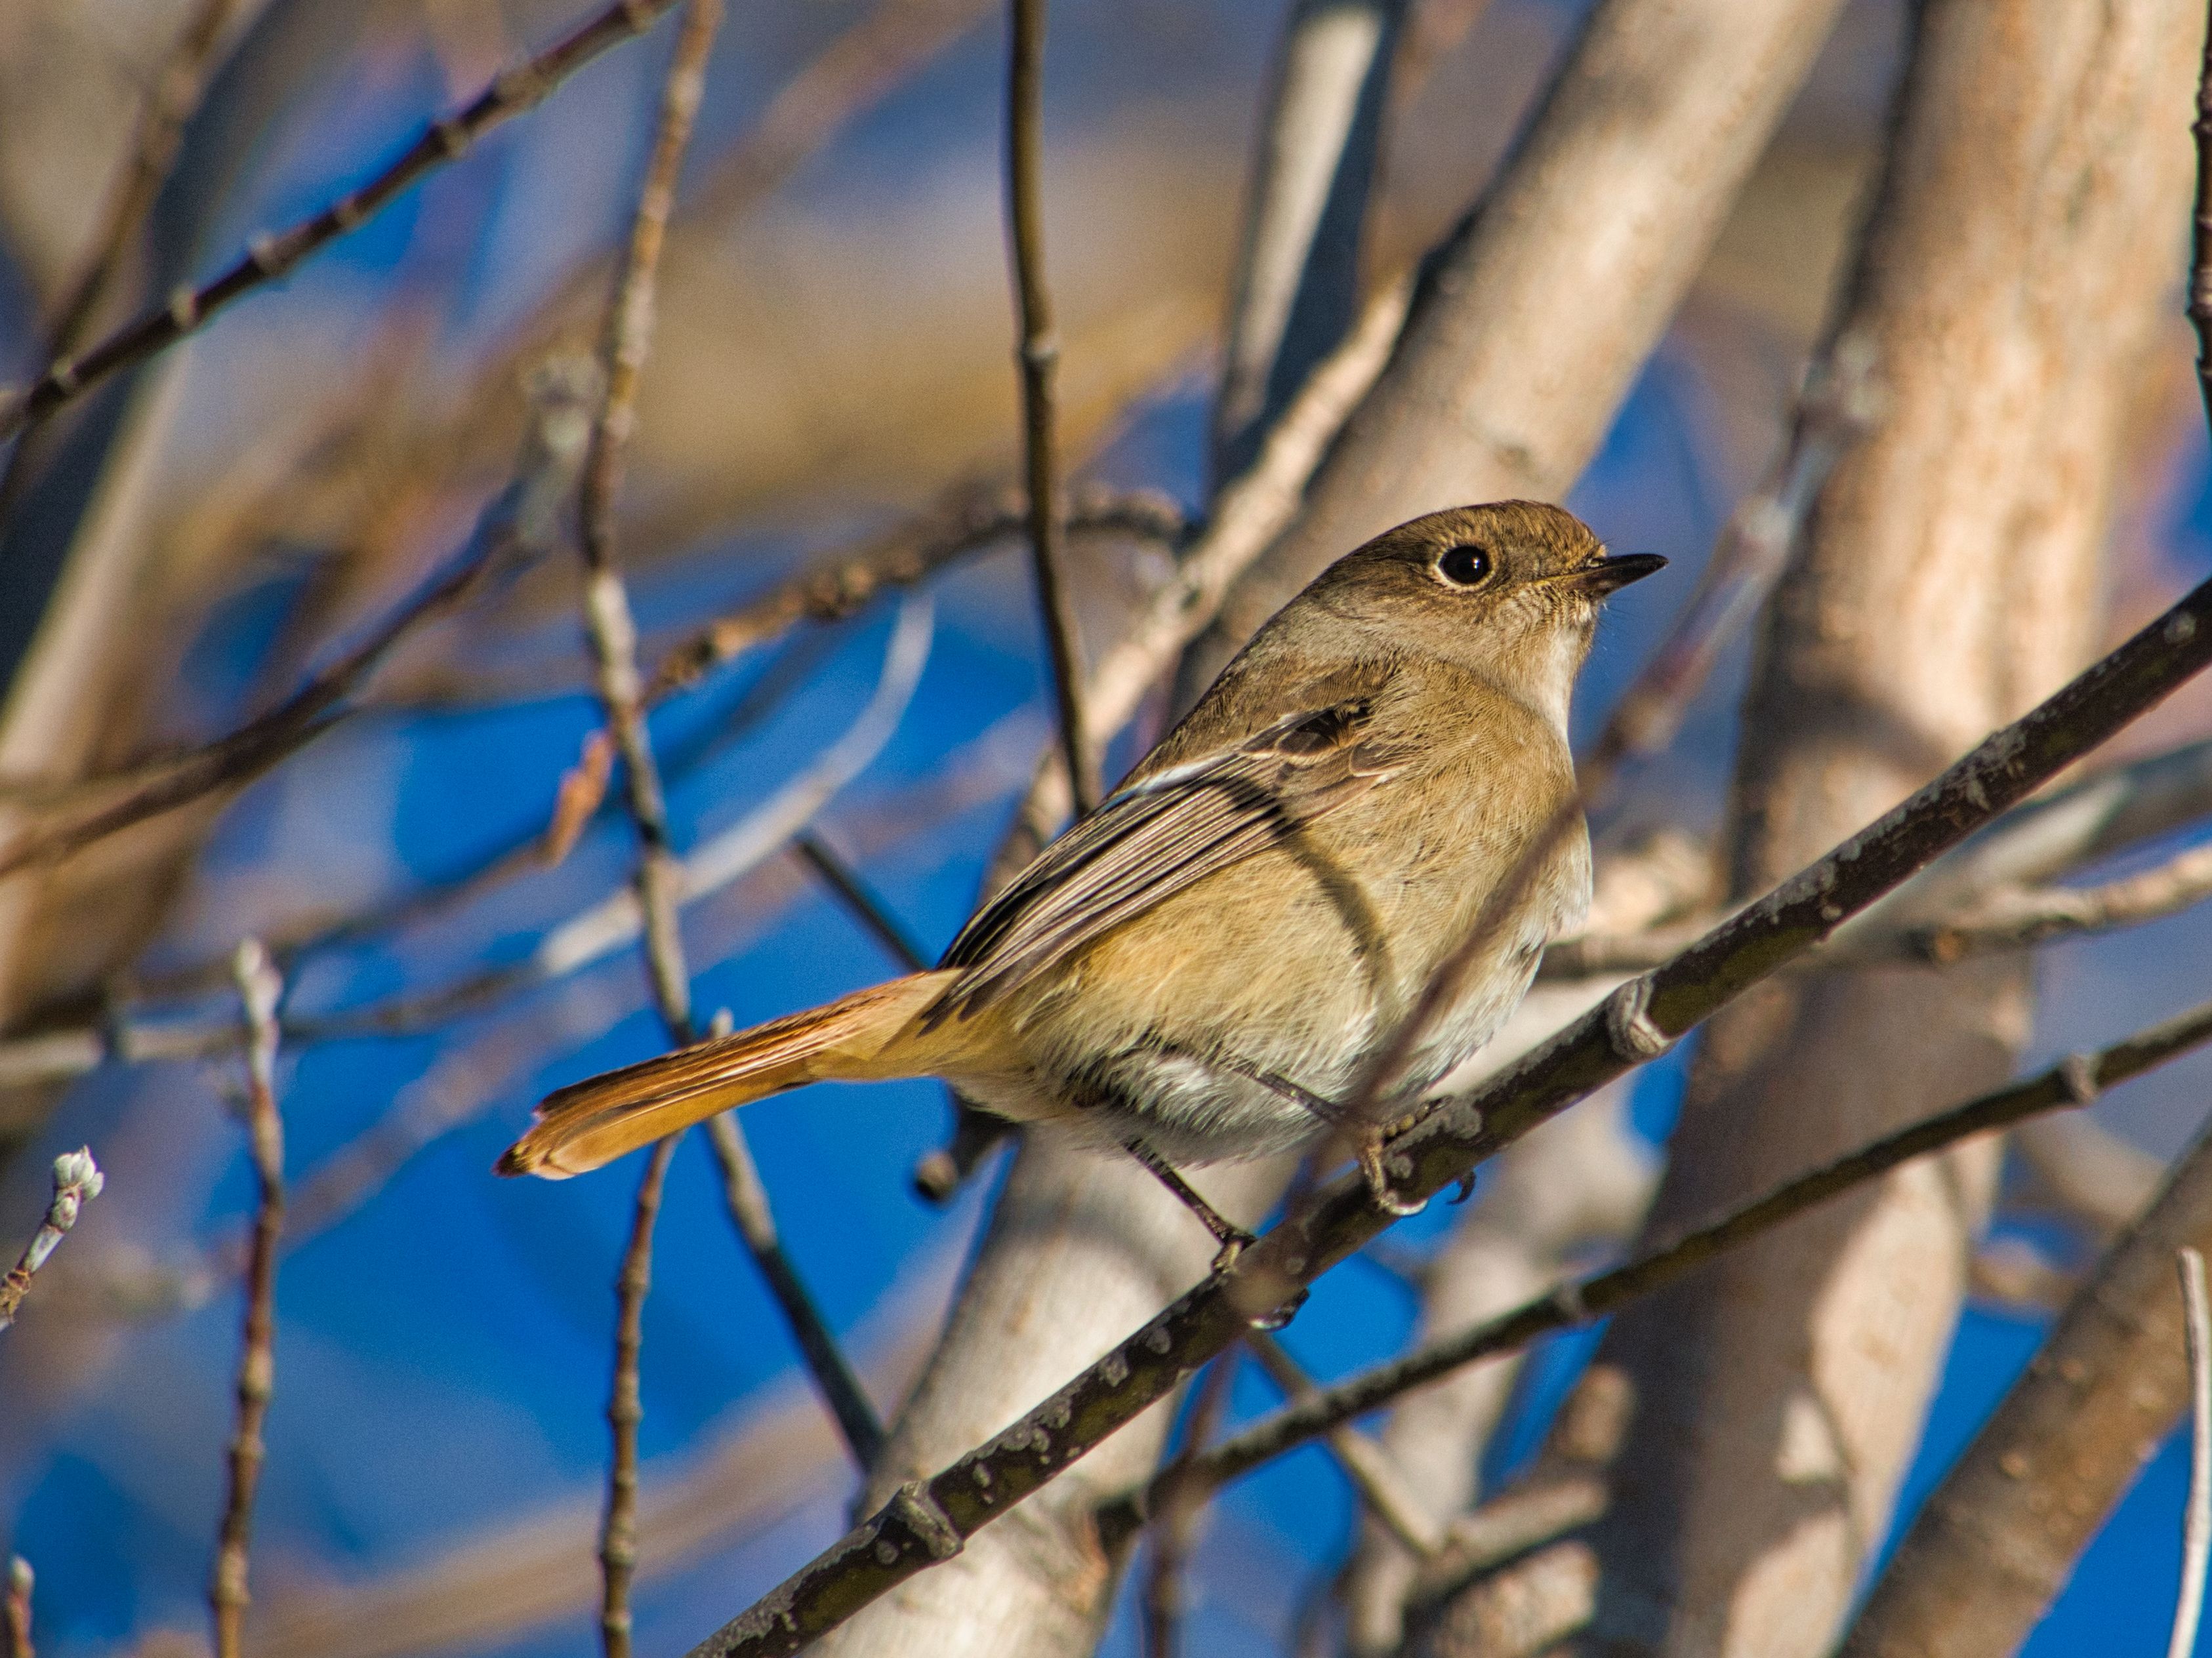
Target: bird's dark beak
x=1608, y=574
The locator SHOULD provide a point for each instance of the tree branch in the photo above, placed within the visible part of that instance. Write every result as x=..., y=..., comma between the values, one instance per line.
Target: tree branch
x=515, y=529
x=1039, y=355
x=259, y=990
x=268, y=258
x=2074, y=1081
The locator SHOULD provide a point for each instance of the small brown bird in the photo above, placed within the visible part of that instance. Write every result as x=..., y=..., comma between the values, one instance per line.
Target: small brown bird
x=1200, y=969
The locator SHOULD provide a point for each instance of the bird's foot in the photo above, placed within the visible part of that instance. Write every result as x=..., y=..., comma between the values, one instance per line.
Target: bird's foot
x=1374, y=1166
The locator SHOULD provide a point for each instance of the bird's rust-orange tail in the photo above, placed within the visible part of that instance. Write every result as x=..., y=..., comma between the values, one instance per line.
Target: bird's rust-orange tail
x=853, y=1039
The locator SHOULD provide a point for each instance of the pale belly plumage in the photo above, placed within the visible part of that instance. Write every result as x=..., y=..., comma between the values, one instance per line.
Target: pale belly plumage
x=1210, y=1041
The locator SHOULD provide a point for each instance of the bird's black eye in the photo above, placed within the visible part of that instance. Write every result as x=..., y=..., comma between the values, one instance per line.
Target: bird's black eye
x=1464, y=566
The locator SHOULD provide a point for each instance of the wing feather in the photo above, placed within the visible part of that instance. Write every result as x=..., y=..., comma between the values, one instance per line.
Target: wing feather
x=1161, y=835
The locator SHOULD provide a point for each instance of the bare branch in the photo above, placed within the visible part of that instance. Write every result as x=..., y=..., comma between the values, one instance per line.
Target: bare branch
x=77, y=1179
x=177, y=83
x=2197, y=1529
x=2013, y=921
x=1379, y=1481
x=930, y=1521
x=2074, y=1081
x=608, y=621
x=626, y=1408
x=965, y=524
x=1840, y=402
x=516, y=529
x=259, y=990
x=1038, y=352
x=269, y=258
x=1297, y=276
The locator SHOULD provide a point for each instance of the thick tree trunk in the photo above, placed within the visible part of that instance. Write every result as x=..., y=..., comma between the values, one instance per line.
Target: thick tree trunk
x=1758, y=1419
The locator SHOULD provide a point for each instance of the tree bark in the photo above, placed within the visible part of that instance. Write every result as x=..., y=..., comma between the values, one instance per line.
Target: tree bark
x=1082, y=1248
x=1998, y=1537
x=1763, y=1414
x=1535, y=316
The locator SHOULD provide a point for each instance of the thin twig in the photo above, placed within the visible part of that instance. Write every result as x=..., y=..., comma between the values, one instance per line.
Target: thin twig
x=174, y=94
x=514, y=529
x=1039, y=355
x=746, y=1199
x=2012, y=921
x=930, y=1520
x=2196, y=1527
x=260, y=989
x=1380, y=1486
x=1172, y=1538
x=613, y=633
x=15, y=1609
x=1841, y=403
x=2074, y=1081
x=608, y=619
x=269, y=258
x=865, y=907
x=662, y=879
x=626, y=1408
x=77, y=1179
x=965, y=524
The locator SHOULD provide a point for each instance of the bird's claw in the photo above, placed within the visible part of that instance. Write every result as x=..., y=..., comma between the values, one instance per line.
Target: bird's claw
x=1378, y=1181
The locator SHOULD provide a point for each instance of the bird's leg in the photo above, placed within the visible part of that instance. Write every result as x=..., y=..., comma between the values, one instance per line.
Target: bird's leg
x=1370, y=1137
x=1232, y=1237
x=1372, y=1143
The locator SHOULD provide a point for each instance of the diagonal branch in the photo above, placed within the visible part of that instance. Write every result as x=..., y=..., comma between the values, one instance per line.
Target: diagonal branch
x=2074, y=1081
x=929, y=1521
x=514, y=92
x=517, y=528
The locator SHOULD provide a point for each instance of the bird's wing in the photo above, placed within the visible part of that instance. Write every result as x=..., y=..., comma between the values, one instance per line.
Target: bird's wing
x=1161, y=834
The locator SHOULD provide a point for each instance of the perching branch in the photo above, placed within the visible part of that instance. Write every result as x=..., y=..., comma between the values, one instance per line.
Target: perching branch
x=77, y=1181
x=268, y=258
x=2074, y=1081
x=260, y=989
x=928, y=1521
x=1039, y=354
